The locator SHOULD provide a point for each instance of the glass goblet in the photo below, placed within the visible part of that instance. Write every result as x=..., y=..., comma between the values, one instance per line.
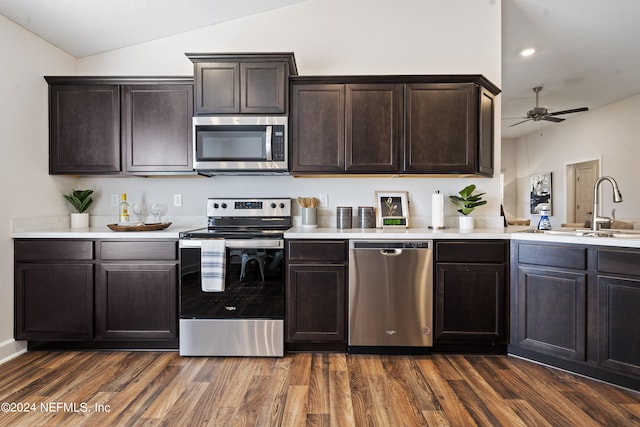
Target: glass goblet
x=139, y=210
x=157, y=209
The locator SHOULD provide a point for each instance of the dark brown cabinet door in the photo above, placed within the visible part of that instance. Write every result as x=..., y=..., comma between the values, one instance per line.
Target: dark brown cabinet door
x=137, y=301
x=54, y=301
x=317, y=128
x=470, y=303
x=440, y=128
x=217, y=87
x=316, y=292
x=84, y=129
x=263, y=88
x=551, y=311
x=156, y=127
x=373, y=131
x=316, y=307
x=239, y=87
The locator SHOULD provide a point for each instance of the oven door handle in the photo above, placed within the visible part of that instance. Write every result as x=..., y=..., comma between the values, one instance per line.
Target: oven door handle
x=238, y=243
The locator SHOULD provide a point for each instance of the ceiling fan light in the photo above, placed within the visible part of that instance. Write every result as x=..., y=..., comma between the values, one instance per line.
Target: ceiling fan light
x=527, y=51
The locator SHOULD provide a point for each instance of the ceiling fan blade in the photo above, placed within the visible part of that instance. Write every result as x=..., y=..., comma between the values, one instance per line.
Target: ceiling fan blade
x=515, y=124
x=552, y=119
x=575, y=110
x=514, y=118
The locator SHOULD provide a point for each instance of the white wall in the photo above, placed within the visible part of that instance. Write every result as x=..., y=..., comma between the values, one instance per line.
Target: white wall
x=327, y=37
x=609, y=133
x=27, y=190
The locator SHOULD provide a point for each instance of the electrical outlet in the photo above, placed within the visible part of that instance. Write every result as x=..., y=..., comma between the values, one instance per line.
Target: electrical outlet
x=177, y=200
x=324, y=200
x=115, y=199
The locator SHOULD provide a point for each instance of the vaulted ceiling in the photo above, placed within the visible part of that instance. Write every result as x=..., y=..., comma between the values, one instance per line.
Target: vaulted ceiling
x=587, y=51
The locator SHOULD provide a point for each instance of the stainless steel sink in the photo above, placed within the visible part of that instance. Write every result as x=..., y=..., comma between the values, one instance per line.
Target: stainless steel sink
x=620, y=234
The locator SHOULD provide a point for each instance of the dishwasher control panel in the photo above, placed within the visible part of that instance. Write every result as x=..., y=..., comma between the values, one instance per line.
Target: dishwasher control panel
x=390, y=244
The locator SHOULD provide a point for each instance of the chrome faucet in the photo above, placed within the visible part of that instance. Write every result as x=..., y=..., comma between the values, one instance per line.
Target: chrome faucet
x=596, y=219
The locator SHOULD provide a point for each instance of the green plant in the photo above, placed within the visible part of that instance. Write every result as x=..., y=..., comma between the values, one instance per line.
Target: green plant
x=467, y=201
x=80, y=199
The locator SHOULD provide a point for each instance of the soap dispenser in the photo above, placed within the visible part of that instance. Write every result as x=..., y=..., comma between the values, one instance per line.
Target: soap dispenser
x=545, y=222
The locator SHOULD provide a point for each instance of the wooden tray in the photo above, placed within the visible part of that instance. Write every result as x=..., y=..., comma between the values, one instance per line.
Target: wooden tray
x=140, y=227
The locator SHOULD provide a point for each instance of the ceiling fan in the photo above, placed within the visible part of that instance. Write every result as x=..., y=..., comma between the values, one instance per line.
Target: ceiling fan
x=541, y=113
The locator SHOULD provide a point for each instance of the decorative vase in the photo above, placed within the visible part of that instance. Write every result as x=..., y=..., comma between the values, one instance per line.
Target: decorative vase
x=80, y=220
x=466, y=222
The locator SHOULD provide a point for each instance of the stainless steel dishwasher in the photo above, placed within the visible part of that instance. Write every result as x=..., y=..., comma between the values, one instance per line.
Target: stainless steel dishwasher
x=390, y=295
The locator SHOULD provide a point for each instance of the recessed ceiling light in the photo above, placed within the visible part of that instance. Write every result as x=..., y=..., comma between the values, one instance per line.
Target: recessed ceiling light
x=527, y=52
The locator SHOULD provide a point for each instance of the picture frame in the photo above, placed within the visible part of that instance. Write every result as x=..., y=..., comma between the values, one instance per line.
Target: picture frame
x=540, y=193
x=392, y=208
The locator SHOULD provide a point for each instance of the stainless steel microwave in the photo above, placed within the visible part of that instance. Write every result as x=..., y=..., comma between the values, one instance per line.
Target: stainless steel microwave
x=240, y=145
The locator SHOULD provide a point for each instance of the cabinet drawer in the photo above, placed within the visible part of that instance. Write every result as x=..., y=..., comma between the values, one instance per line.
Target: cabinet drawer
x=123, y=250
x=471, y=251
x=317, y=251
x=553, y=255
x=59, y=250
x=619, y=261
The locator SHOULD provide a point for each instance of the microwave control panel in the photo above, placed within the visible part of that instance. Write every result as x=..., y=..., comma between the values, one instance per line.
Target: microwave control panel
x=277, y=143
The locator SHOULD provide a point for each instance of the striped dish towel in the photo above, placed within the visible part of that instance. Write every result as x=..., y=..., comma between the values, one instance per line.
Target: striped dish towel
x=212, y=265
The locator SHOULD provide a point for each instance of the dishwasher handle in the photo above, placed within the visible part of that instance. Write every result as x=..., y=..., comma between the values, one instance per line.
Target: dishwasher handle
x=391, y=252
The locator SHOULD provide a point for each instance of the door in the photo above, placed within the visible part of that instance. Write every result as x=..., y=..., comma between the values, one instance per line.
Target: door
x=84, y=129
x=374, y=115
x=441, y=128
x=586, y=174
x=156, y=127
x=317, y=128
x=137, y=300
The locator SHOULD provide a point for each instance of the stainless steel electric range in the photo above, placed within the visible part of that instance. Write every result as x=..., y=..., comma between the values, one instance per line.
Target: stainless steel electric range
x=232, y=279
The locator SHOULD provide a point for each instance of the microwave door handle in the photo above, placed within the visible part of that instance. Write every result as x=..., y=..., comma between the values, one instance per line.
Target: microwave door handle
x=267, y=143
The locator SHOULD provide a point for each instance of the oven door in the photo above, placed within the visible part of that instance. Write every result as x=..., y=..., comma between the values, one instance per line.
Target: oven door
x=254, y=281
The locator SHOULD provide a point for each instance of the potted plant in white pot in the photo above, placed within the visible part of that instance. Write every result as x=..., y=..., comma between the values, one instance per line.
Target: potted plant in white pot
x=80, y=200
x=466, y=202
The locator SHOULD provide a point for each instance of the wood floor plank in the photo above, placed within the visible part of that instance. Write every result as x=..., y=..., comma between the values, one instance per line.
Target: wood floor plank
x=295, y=414
x=306, y=389
x=451, y=406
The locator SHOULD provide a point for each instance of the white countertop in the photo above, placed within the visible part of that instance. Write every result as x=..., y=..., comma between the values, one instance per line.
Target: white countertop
x=59, y=229
x=396, y=233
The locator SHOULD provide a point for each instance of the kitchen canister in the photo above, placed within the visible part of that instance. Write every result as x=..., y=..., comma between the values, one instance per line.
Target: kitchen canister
x=344, y=217
x=366, y=218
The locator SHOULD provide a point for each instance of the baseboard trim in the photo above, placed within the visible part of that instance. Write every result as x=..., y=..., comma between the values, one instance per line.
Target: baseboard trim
x=10, y=349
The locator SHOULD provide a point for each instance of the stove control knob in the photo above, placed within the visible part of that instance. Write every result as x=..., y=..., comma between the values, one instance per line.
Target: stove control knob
x=281, y=205
x=215, y=206
x=224, y=206
x=273, y=205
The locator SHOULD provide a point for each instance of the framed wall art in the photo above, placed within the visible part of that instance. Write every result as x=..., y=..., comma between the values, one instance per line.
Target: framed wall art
x=392, y=209
x=540, y=193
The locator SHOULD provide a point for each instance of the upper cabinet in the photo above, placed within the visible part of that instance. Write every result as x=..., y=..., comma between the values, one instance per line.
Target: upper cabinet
x=392, y=124
x=120, y=126
x=242, y=83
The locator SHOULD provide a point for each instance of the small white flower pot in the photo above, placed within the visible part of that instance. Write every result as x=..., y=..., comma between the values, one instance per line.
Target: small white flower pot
x=465, y=222
x=80, y=220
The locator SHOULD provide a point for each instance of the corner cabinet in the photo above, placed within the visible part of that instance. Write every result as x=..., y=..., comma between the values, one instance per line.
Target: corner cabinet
x=392, y=125
x=120, y=126
x=470, y=295
x=576, y=307
x=86, y=293
x=316, y=295
x=242, y=83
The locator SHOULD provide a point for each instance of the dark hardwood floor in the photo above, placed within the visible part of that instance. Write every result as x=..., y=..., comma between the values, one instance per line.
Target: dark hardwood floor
x=304, y=389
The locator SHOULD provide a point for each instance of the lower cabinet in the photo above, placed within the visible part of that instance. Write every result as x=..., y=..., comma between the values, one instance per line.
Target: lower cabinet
x=92, y=292
x=470, y=298
x=576, y=307
x=316, y=295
